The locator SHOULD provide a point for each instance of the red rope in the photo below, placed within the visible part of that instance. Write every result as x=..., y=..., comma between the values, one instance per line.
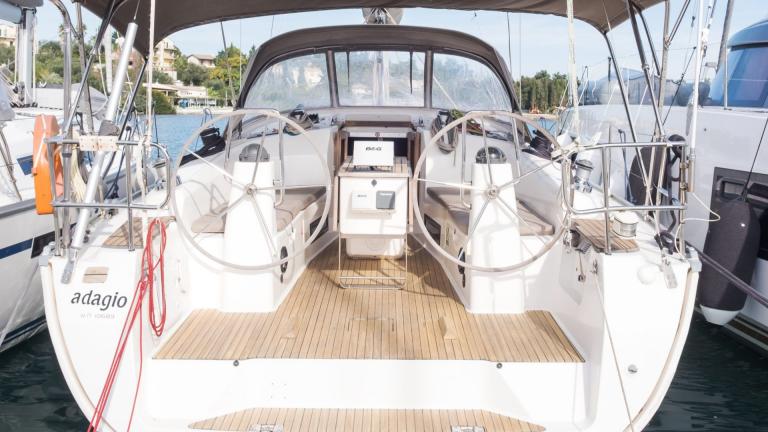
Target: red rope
x=146, y=286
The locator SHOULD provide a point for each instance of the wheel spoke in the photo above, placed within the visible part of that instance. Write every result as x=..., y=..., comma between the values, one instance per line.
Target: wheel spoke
x=220, y=215
x=294, y=187
x=487, y=152
x=476, y=222
x=221, y=171
x=519, y=179
x=519, y=218
x=258, y=156
x=263, y=224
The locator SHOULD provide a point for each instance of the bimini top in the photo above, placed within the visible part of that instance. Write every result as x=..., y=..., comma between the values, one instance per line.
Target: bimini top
x=373, y=37
x=756, y=34
x=174, y=15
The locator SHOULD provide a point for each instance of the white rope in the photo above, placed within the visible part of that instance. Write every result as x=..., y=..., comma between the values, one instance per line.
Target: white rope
x=77, y=182
x=572, y=78
x=716, y=218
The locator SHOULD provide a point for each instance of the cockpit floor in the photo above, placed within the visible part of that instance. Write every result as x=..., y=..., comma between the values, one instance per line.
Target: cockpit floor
x=319, y=320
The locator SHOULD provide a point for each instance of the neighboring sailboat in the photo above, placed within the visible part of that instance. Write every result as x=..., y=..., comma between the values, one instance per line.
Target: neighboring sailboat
x=378, y=240
x=24, y=232
x=29, y=113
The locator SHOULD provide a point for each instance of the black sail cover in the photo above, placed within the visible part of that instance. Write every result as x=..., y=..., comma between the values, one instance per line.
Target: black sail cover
x=174, y=15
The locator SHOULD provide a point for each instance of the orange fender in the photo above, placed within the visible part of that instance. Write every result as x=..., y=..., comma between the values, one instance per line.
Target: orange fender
x=45, y=127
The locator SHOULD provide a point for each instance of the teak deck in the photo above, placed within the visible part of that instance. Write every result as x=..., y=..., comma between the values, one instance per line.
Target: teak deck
x=318, y=320
x=363, y=420
x=594, y=231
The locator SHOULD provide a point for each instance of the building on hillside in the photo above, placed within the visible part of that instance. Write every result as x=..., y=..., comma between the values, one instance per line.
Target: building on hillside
x=204, y=60
x=165, y=55
x=185, y=96
x=7, y=35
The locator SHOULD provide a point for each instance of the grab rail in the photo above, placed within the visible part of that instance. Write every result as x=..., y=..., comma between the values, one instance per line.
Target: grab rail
x=607, y=208
x=128, y=145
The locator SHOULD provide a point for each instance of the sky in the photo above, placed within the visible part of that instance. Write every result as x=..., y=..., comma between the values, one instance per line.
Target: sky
x=538, y=42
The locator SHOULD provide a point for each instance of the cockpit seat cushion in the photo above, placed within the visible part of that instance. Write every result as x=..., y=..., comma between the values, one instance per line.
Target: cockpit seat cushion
x=294, y=202
x=450, y=199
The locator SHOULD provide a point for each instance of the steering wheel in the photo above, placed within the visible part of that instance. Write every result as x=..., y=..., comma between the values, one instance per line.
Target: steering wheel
x=492, y=193
x=260, y=121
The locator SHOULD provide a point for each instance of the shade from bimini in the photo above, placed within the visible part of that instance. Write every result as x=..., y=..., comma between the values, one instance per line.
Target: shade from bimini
x=175, y=15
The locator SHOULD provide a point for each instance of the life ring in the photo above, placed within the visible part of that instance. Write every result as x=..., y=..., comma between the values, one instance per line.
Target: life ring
x=45, y=126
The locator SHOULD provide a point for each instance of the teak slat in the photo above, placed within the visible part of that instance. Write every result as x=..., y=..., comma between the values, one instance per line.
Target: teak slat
x=594, y=231
x=319, y=320
x=360, y=420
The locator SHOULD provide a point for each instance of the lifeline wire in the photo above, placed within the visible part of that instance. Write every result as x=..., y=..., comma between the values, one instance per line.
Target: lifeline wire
x=600, y=296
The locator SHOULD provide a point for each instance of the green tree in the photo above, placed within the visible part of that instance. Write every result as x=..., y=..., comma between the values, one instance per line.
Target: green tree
x=49, y=65
x=162, y=78
x=542, y=91
x=195, y=75
x=180, y=64
x=7, y=56
x=227, y=70
x=162, y=105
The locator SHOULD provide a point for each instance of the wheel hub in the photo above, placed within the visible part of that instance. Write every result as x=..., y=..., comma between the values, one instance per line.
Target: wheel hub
x=492, y=192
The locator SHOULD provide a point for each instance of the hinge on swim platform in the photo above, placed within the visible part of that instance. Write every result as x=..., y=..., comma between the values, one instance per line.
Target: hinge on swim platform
x=266, y=428
x=467, y=429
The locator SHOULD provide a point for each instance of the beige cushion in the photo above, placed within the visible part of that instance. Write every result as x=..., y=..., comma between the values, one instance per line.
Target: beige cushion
x=449, y=198
x=294, y=202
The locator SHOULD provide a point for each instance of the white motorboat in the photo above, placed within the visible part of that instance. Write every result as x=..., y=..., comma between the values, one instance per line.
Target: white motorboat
x=379, y=240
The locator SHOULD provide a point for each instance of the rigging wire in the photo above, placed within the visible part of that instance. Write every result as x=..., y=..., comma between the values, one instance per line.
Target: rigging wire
x=572, y=69
x=601, y=296
x=520, y=49
x=752, y=168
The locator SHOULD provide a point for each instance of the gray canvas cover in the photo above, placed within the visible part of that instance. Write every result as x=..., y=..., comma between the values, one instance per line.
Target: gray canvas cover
x=174, y=15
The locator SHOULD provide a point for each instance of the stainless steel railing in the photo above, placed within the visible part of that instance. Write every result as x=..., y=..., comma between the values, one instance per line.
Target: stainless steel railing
x=607, y=209
x=64, y=202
